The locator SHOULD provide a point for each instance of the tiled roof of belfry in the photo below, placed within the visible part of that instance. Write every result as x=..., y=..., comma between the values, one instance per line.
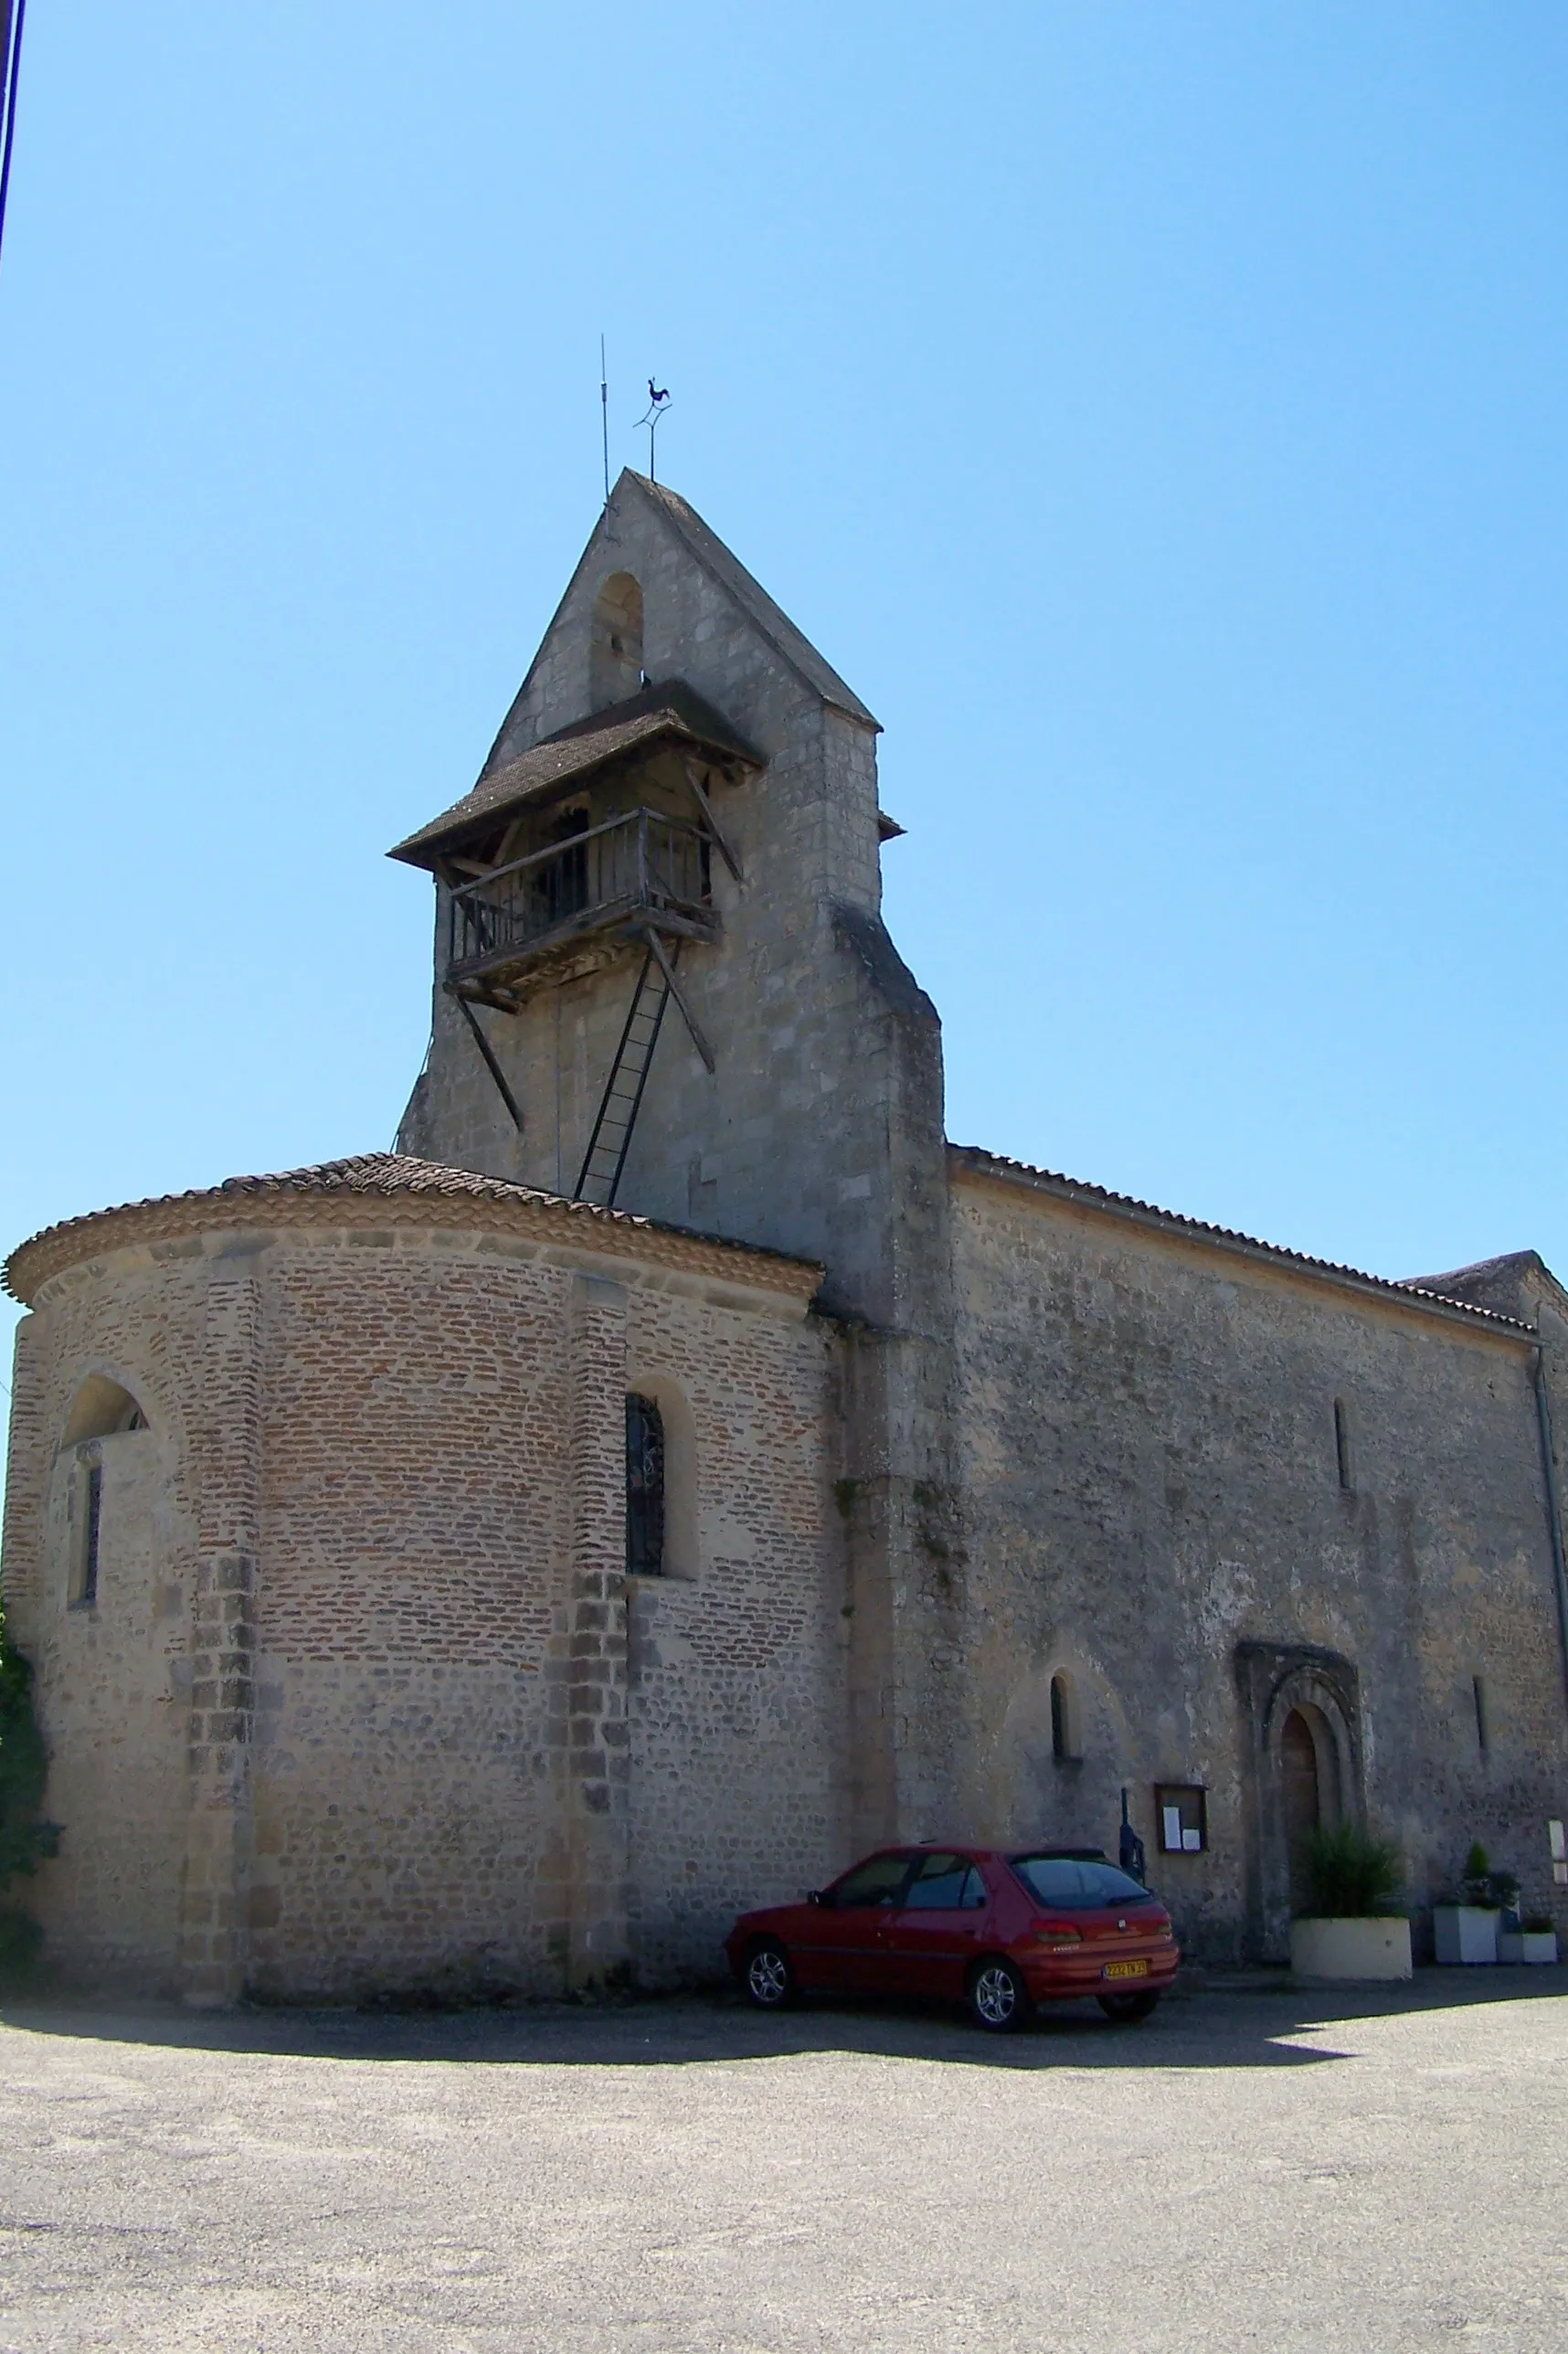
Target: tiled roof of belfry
x=1073, y=1189
x=670, y=709
x=391, y=1177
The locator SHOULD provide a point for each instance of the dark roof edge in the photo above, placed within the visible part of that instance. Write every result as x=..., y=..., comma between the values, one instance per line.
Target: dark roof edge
x=975, y=1158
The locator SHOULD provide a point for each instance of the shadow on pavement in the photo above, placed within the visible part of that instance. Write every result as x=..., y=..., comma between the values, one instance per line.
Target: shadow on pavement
x=1246, y=2022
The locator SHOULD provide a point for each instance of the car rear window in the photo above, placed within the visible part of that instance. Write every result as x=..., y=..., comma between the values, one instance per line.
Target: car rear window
x=1073, y=1882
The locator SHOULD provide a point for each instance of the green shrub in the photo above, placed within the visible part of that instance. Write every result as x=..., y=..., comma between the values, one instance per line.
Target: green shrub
x=1350, y=1876
x=1538, y=1924
x=25, y=1839
x=1492, y=1891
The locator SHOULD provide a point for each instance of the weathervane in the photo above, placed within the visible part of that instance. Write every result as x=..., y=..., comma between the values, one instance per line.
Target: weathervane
x=658, y=406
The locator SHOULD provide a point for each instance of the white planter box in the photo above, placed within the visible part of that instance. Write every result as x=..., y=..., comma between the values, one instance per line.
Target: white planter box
x=1376, y=1948
x=1527, y=1946
x=1466, y=1932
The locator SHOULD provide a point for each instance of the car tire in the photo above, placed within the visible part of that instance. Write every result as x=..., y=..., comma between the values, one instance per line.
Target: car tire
x=999, y=2000
x=769, y=1980
x=1126, y=2009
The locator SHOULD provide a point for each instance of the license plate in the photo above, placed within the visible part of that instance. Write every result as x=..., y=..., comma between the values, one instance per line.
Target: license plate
x=1125, y=1970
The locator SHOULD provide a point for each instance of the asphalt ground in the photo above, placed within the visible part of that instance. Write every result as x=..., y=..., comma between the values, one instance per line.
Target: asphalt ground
x=1254, y=2167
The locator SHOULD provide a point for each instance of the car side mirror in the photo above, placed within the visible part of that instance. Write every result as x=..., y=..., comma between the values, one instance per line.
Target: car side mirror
x=813, y=1895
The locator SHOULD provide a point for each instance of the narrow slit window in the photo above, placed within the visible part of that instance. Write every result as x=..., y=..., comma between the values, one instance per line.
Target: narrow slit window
x=84, y=1583
x=1478, y=1693
x=644, y=1487
x=1342, y=1447
x=1064, y=1718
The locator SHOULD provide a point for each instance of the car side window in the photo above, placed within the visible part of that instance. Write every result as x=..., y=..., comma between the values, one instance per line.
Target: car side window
x=878, y=1881
x=945, y=1884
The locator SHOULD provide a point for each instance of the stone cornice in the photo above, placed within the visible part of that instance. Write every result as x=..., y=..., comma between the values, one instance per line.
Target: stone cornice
x=480, y=1208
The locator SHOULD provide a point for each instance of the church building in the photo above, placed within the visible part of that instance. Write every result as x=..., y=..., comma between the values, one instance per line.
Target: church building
x=487, y=1566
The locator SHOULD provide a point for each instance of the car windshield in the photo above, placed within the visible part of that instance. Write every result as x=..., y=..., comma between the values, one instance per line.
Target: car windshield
x=1075, y=1883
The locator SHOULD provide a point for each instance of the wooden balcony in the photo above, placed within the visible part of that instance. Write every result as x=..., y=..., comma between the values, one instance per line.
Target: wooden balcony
x=566, y=908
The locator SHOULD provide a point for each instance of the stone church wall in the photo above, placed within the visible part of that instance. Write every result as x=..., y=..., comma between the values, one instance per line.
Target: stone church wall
x=1152, y=1483
x=355, y=1708
x=734, y=1656
x=112, y=1684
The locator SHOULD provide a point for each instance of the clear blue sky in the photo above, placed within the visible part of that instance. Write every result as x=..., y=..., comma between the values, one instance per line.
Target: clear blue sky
x=1156, y=412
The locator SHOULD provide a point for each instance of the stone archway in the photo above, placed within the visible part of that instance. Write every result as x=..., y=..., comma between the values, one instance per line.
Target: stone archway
x=1304, y=1768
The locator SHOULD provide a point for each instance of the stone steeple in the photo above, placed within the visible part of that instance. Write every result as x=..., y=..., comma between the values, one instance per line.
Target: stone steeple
x=668, y=681
x=662, y=903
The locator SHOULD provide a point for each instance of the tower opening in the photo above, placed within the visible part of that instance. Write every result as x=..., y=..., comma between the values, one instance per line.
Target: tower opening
x=615, y=651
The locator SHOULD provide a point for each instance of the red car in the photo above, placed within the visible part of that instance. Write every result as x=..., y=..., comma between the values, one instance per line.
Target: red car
x=999, y=1929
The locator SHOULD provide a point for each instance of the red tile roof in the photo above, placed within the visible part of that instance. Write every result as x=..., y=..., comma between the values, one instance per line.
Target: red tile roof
x=387, y=1176
x=999, y=1164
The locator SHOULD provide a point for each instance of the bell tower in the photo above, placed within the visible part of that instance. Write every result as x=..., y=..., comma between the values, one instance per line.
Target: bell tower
x=664, y=984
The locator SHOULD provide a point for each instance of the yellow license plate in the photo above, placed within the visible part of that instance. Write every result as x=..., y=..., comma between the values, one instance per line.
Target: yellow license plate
x=1125, y=1970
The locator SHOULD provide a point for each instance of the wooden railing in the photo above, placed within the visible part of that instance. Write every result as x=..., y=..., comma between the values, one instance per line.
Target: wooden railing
x=630, y=865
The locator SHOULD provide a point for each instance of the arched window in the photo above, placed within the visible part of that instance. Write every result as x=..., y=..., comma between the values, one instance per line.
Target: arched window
x=1064, y=1740
x=87, y=1521
x=101, y=1409
x=615, y=651
x=660, y=1476
x=644, y=1487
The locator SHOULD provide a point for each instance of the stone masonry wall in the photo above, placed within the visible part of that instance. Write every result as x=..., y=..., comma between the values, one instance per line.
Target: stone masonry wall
x=732, y=1656
x=353, y=1711
x=114, y=1683
x=1152, y=1478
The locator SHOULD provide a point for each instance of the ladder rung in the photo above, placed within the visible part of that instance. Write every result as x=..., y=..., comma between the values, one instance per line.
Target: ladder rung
x=623, y=1092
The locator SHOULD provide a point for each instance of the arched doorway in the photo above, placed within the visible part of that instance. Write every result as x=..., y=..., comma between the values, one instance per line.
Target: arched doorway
x=1309, y=1787
x=1302, y=1715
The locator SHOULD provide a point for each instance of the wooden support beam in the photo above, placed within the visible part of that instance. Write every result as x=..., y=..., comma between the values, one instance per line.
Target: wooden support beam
x=485, y=1048
x=700, y=795
x=511, y=838
x=687, y=1016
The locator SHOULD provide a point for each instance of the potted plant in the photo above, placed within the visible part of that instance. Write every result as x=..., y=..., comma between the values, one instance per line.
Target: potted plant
x=1350, y=1929
x=1535, y=1940
x=1467, y=1926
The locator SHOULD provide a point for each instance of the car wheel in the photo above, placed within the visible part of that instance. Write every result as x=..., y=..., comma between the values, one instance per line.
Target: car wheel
x=999, y=2000
x=769, y=1981
x=1127, y=2008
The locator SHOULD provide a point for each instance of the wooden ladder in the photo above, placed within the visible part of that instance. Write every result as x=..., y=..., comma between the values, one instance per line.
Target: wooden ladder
x=608, y=1146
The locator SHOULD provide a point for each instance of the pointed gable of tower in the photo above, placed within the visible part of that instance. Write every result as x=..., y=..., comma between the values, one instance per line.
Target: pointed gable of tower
x=657, y=594
x=682, y=782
